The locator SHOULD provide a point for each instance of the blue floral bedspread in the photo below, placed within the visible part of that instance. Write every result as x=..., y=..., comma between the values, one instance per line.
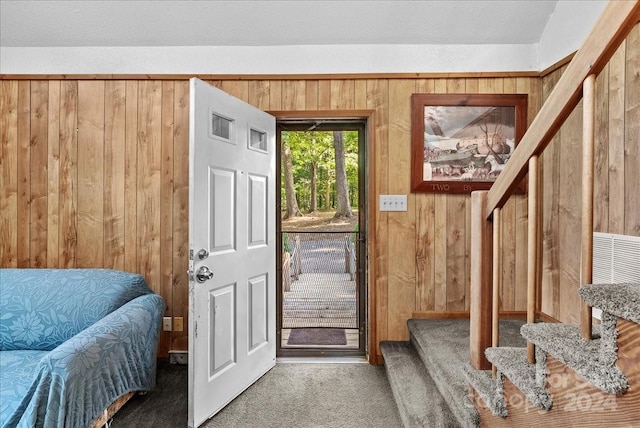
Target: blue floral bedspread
x=69, y=349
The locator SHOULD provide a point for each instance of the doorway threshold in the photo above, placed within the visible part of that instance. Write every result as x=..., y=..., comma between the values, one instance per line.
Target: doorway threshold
x=322, y=360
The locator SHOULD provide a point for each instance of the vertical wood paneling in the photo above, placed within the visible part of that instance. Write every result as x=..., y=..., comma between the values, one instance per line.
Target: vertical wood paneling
x=632, y=135
x=523, y=86
x=425, y=240
x=311, y=95
x=166, y=199
x=324, y=95
x=24, y=173
x=378, y=100
x=8, y=173
x=68, y=173
x=179, y=302
x=293, y=93
x=342, y=94
x=360, y=95
x=259, y=93
x=455, y=253
x=239, y=89
x=114, y=167
x=401, y=224
x=569, y=216
x=131, y=177
x=39, y=176
x=601, y=154
x=275, y=95
x=617, y=77
x=551, y=199
x=149, y=180
x=440, y=252
x=90, y=250
x=53, y=171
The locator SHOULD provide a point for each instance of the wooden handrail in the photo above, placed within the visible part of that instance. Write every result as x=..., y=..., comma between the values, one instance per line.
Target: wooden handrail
x=613, y=26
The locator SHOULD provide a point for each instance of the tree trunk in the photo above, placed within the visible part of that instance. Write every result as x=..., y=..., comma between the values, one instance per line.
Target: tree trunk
x=314, y=187
x=290, y=190
x=343, y=207
x=327, y=193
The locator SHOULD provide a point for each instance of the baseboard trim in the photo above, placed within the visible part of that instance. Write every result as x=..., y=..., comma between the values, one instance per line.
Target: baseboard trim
x=545, y=318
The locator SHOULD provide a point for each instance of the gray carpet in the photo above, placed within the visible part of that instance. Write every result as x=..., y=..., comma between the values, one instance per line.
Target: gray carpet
x=443, y=345
x=622, y=300
x=291, y=395
x=417, y=396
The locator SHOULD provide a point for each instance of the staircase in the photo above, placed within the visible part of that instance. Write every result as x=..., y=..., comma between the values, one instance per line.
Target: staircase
x=578, y=382
x=573, y=383
x=427, y=374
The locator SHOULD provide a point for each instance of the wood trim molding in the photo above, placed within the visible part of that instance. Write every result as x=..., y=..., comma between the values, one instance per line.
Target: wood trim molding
x=558, y=65
x=433, y=315
x=545, y=318
x=343, y=76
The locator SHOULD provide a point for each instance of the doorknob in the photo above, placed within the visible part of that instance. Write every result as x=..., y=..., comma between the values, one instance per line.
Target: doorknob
x=203, y=254
x=203, y=274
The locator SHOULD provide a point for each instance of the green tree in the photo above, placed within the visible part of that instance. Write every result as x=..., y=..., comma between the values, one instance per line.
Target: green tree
x=343, y=206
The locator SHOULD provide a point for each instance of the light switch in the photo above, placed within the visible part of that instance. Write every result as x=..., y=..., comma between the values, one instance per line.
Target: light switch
x=393, y=202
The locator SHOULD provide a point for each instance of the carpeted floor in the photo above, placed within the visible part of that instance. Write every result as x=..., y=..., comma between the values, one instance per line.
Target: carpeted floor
x=291, y=395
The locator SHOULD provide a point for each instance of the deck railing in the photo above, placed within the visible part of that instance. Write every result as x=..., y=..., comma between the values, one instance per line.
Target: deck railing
x=613, y=26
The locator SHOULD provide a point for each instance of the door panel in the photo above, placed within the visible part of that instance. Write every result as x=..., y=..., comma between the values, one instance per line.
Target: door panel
x=232, y=248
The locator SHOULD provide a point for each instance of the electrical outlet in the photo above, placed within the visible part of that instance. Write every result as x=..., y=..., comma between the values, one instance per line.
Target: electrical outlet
x=166, y=324
x=178, y=324
x=393, y=202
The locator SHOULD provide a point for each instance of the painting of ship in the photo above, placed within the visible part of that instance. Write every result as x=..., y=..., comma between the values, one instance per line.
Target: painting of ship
x=469, y=143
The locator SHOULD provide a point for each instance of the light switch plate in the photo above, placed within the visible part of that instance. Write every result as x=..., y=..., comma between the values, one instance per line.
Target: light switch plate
x=393, y=202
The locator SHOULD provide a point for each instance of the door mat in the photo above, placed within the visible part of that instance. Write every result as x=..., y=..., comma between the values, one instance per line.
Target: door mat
x=317, y=336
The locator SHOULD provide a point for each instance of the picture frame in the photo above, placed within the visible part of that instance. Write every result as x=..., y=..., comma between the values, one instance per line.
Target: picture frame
x=461, y=142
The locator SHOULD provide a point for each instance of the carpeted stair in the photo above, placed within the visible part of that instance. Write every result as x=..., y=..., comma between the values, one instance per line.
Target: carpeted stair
x=621, y=300
x=416, y=394
x=529, y=378
x=595, y=360
x=443, y=349
x=489, y=389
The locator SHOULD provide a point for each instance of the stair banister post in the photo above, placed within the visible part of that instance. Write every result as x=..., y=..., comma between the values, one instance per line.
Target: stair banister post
x=497, y=280
x=532, y=248
x=480, y=296
x=586, y=269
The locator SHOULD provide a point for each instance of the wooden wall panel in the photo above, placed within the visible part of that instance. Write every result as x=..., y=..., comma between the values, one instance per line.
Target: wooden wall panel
x=178, y=300
x=632, y=135
x=53, y=172
x=114, y=174
x=617, y=156
x=8, y=173
x=24, y=173
x=68, y=201
x=90, y=239
x=39, y=177
x=149, y=180
x=616, y=94
x=401, y=225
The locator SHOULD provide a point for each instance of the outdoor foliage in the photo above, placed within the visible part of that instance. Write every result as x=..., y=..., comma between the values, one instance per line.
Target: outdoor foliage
x=314, y=168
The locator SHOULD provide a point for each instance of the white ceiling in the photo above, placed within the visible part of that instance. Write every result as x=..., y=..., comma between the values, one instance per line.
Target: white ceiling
x=271, y=22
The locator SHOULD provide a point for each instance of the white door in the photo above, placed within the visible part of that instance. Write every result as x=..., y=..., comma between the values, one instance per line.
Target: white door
x=232, y=248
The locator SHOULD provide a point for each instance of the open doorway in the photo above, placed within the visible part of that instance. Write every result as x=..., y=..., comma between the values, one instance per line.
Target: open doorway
x=321, y=304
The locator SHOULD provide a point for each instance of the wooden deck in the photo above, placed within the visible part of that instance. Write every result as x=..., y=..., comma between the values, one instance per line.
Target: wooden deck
x=321, y=300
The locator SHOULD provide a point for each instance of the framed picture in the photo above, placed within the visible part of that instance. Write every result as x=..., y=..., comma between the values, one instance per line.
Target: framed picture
x=461, y=142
